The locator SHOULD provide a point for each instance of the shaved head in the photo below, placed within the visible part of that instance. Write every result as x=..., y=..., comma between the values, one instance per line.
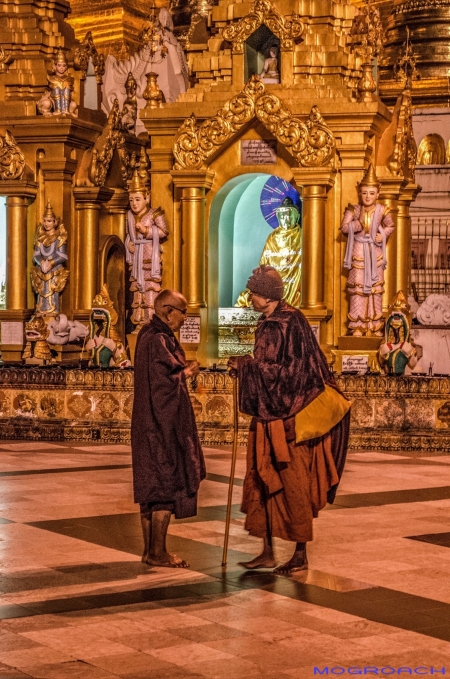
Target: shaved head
x=170, y=307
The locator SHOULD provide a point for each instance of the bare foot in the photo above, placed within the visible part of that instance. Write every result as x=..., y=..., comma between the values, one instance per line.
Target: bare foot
x=297, y=563
x=264, y=560
x=166, y=560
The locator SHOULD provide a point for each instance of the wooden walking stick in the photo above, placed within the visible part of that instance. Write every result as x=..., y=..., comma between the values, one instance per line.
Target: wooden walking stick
x=234, y=376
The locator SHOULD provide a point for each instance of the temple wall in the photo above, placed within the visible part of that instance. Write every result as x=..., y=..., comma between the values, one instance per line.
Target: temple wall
x=401, y=413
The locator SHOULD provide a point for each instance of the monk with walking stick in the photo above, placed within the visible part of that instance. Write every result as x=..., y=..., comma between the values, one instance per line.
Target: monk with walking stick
x=299, y=431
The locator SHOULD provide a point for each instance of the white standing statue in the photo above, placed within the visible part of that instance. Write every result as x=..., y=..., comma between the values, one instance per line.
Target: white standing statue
x=171, y=69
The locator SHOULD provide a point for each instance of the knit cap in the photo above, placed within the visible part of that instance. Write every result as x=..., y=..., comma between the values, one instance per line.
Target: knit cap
x=266, y=281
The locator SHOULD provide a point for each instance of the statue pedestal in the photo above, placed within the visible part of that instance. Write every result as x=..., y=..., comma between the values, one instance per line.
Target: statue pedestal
x=66, y=353
x=354, y=347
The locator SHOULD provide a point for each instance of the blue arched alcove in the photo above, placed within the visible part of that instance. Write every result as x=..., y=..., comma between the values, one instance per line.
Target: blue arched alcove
x=241, y=233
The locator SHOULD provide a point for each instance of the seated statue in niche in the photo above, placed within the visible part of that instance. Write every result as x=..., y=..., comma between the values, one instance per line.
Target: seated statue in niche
x=49, y=275
x=146, y=228
x=57, y=99
x=104, y=343
x=270, y=72
x=368, y=225
x=283, y=251
x=397, y=351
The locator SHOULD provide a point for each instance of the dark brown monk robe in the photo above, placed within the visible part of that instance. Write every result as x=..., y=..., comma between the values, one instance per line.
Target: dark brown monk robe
x=168, y=462
x=287, y=482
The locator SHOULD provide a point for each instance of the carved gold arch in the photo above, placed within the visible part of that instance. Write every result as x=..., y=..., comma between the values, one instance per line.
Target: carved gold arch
x=289, y=30
x=311, y=143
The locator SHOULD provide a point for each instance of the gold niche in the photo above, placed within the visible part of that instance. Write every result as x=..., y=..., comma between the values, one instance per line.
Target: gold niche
x=289, y=31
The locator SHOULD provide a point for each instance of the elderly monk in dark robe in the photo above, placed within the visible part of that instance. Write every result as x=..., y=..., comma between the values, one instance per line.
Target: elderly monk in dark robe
x=287, y=480
x=168, y=462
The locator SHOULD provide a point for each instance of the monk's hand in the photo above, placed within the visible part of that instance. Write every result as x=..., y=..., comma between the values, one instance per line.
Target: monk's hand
x=192, y=369
x=233, y=363
x=378, y=238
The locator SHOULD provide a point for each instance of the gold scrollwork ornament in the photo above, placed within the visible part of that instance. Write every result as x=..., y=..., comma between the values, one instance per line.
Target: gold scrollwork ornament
x=12, y=160
x=311, y=143
x=288, y=30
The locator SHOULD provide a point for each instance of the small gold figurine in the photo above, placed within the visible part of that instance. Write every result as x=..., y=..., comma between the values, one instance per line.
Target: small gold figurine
x=49, y=275
x=57, y=100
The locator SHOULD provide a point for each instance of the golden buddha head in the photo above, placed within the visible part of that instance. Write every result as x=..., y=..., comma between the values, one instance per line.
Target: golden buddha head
x=287, y=214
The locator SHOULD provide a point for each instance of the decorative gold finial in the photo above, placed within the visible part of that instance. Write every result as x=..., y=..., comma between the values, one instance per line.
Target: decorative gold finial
x=405, y=68
x=49, y=211
x=400, y=303
x=139, y=180
x=370, y=178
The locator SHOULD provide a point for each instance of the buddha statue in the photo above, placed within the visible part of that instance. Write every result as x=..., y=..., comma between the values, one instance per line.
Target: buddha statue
x=283, y=251
x=270, y=73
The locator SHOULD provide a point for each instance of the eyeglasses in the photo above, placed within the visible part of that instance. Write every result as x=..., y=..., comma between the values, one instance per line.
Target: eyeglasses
x=182, y=311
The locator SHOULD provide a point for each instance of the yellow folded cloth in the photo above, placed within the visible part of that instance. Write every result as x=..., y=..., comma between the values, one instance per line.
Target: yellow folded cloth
x=321, y=415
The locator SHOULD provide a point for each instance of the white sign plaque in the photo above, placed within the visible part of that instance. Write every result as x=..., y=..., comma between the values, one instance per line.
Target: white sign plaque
x=351, y=364
x=190, y=331
x=258, y=152
x=12, y=333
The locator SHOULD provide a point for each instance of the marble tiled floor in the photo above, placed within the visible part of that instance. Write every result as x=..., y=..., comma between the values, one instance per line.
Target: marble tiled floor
x=76, y=602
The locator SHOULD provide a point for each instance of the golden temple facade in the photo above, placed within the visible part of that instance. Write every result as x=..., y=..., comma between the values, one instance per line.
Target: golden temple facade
x=324, y=123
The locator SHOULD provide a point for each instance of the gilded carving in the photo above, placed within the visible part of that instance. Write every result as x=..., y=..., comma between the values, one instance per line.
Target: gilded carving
x=389, y=413
x=25, y=404
x=79, y=405
x=311, y=143
x=403, y=159
x=289, y=30
x=12, y=160
x=86, y=52
x=108, y=407
x=128, y=406
x=50, y=405
x=103, y=150
x=419, y=414
x=6, y=59
x=4, y=403
x=217, y=409
x=362, y=412
x=443, y=414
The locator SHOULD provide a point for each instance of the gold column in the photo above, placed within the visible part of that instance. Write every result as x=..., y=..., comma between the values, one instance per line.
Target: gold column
x=403, y=250
x=389, y=195
x=191, y=187
x=314, y=184
x=18, y=196
x=88, y=202
x=16, y=252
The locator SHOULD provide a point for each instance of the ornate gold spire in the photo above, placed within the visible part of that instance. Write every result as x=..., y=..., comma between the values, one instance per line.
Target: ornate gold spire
x=60, y=57
x=49, y=211
x=400, y=303
x=370, y=178
x=139, y=181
